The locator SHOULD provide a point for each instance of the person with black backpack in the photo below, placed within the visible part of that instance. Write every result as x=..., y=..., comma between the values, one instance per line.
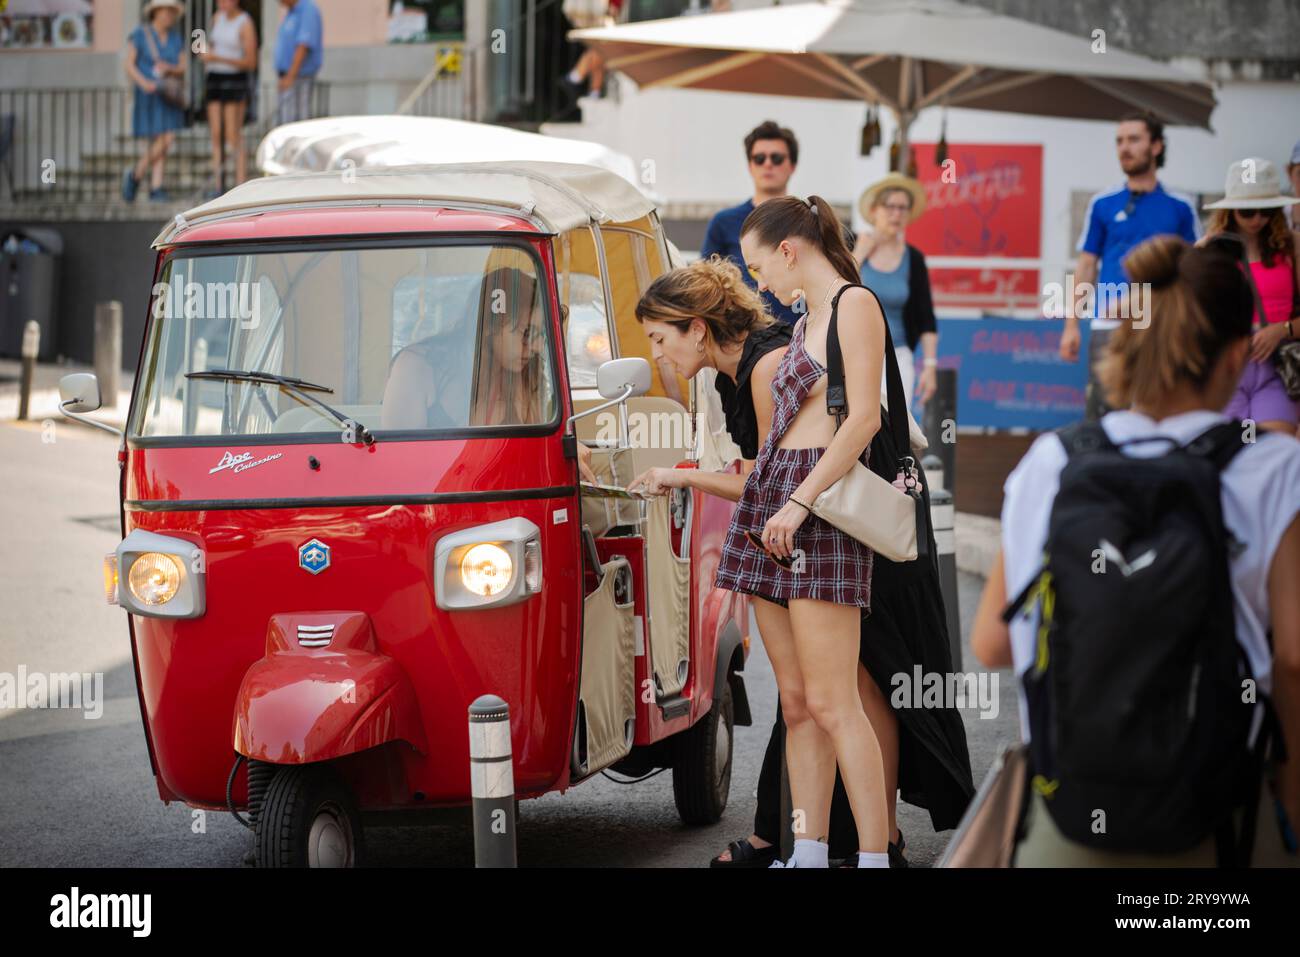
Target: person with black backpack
x=1152, y=563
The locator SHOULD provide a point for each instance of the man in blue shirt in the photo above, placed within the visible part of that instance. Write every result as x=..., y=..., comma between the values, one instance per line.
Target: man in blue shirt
x=299, y=52
x=772, y=152
x=1116, y=221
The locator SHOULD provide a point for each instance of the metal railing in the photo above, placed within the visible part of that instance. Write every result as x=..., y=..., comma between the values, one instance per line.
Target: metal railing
x=73, y=146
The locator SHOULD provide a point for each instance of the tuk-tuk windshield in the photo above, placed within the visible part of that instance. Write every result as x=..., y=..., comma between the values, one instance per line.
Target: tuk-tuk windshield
x=421, y=338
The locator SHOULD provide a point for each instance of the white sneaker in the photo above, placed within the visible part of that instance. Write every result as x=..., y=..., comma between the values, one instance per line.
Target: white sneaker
x=780, y=863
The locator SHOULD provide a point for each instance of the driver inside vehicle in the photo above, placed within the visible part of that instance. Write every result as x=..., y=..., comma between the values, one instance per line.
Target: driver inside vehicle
x=435, y=383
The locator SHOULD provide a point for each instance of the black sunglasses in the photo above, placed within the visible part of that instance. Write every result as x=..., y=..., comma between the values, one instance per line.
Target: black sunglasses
x=778, y=159
x=756, y=540
x=1251, y=213
x=1133, y=197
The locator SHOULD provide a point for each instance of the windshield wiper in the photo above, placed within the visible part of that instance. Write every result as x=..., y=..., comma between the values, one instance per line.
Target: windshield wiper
x=295, y=387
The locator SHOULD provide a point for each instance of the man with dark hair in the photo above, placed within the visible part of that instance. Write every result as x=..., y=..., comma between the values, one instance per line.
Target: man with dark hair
x=1116, y=221
x=772, y=152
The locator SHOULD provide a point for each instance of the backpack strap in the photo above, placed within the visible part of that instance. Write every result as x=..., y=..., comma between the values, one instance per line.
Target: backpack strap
x=1084, y=436
x=837, y=403
x=1219, y=443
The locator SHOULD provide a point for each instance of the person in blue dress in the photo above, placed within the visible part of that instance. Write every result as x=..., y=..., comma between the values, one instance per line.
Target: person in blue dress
x=154, y=51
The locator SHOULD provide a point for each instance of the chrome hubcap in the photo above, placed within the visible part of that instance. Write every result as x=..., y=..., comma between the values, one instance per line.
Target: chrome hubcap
x=329, y=842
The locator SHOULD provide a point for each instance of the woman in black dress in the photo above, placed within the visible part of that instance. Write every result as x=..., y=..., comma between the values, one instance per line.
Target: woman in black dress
x=705, y=316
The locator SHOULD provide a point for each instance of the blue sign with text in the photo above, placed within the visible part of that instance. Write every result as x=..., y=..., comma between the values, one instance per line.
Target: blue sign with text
x=1010, y=374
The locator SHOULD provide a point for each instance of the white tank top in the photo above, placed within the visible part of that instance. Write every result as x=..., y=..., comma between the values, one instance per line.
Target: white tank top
x=223, y=40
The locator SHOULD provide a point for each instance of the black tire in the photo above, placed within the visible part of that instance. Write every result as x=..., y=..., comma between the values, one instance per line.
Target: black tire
x=702, y=764
x=308, y=818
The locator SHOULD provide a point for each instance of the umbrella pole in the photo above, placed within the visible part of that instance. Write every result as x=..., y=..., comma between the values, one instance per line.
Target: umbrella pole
x=904, y=120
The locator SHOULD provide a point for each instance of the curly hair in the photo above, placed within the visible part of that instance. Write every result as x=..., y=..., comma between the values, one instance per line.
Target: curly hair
x=711, y=290
x=1274, y=239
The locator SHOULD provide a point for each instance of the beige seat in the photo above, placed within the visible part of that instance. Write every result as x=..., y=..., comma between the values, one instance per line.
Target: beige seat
x=658, y=435
x=311, y=419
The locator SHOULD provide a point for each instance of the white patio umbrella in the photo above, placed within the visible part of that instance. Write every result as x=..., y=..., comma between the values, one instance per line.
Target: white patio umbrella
x=902, y=55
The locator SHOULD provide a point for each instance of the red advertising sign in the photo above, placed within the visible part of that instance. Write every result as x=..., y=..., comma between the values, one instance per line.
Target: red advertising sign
x=984, y=202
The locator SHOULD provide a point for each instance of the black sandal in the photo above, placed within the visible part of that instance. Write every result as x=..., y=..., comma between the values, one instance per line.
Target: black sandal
x=895, y=851
x=744, y=854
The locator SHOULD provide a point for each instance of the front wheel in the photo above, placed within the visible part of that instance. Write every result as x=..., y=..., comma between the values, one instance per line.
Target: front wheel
x=308, y=818
x=702, y=764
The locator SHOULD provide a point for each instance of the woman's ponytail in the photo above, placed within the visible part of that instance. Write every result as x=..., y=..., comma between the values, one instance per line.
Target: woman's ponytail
x=814, y=221
x=1192, y=303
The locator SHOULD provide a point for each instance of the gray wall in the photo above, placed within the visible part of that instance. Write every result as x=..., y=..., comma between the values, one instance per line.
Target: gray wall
x=101, y=261
x=1235, y=31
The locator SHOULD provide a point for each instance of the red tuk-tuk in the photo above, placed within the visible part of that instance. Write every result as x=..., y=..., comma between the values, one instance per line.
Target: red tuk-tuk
x=351, y=503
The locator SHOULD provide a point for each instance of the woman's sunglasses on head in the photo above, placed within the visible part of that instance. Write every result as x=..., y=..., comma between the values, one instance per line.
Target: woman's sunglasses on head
x=758, y=159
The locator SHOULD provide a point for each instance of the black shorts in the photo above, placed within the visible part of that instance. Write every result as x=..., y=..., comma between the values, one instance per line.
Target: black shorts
x=227, y=87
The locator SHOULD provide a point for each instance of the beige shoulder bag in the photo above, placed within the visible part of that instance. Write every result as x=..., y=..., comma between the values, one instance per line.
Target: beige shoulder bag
x=882, y=515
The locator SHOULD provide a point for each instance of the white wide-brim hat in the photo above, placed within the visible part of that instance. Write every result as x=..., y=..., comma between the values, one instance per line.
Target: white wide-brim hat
x=1253, y=183
x=153, y=5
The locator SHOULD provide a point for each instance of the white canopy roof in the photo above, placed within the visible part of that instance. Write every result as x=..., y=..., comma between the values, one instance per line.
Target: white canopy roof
x=904, y=54
x=557, y=196
x=371, y=142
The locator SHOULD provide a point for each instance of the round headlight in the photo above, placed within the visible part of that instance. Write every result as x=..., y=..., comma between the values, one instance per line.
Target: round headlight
x=486, y=570
x=154, y=578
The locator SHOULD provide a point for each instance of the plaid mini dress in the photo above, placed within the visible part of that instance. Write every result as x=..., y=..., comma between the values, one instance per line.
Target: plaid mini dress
x=829, y=565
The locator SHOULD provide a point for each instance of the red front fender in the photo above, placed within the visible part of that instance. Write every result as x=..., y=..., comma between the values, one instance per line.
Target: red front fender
x=313, y=702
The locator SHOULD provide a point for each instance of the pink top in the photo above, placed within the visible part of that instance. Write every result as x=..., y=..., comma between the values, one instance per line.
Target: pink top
x=1275, y=287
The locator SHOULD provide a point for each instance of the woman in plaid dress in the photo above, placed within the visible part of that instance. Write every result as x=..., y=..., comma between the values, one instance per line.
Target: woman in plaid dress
x=703, y=316
x=810, y=614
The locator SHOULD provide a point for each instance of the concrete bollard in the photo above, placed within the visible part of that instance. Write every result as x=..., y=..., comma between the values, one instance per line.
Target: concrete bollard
x=492, y=782
x=933, y=467
x=942, y=516
x=941, y=409
x=108, y=350
x=30, y=350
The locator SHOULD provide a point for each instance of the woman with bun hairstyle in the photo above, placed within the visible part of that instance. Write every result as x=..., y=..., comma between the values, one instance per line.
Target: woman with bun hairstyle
x=704, y=316
x=1169, y=380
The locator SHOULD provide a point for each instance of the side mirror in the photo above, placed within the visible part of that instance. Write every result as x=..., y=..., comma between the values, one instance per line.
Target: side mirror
x=616, y=376
x=79, y=392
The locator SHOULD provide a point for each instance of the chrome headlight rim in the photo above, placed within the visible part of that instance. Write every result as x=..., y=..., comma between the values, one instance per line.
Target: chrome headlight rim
x=519, y=538
x=188, y=600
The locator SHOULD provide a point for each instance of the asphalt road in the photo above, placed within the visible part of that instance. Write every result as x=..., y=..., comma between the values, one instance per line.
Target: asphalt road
x=78, y=791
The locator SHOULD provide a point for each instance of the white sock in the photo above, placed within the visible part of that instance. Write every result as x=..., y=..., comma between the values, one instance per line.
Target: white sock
x=810, y=853
x=870, y=859
x=574, y=77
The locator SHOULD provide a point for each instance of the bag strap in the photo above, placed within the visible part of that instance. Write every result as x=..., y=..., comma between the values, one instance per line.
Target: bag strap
x=1080, y=438
x=837, y=403
x=1220, y=444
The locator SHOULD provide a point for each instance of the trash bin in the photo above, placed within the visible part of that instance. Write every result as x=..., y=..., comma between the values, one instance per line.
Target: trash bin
x=29, y=260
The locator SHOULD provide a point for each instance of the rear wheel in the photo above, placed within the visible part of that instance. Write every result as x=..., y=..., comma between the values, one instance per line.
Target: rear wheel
x=308, y=818
x=702, y=764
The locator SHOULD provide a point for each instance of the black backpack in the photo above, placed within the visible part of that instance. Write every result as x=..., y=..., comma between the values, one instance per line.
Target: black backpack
x=1138, y=713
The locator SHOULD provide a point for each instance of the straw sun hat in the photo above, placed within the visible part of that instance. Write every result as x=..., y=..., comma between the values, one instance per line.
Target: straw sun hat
x=893, y=181
x=1253, y=183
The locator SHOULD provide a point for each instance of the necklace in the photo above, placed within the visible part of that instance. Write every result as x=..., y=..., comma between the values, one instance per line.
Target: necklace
x=825, y=299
